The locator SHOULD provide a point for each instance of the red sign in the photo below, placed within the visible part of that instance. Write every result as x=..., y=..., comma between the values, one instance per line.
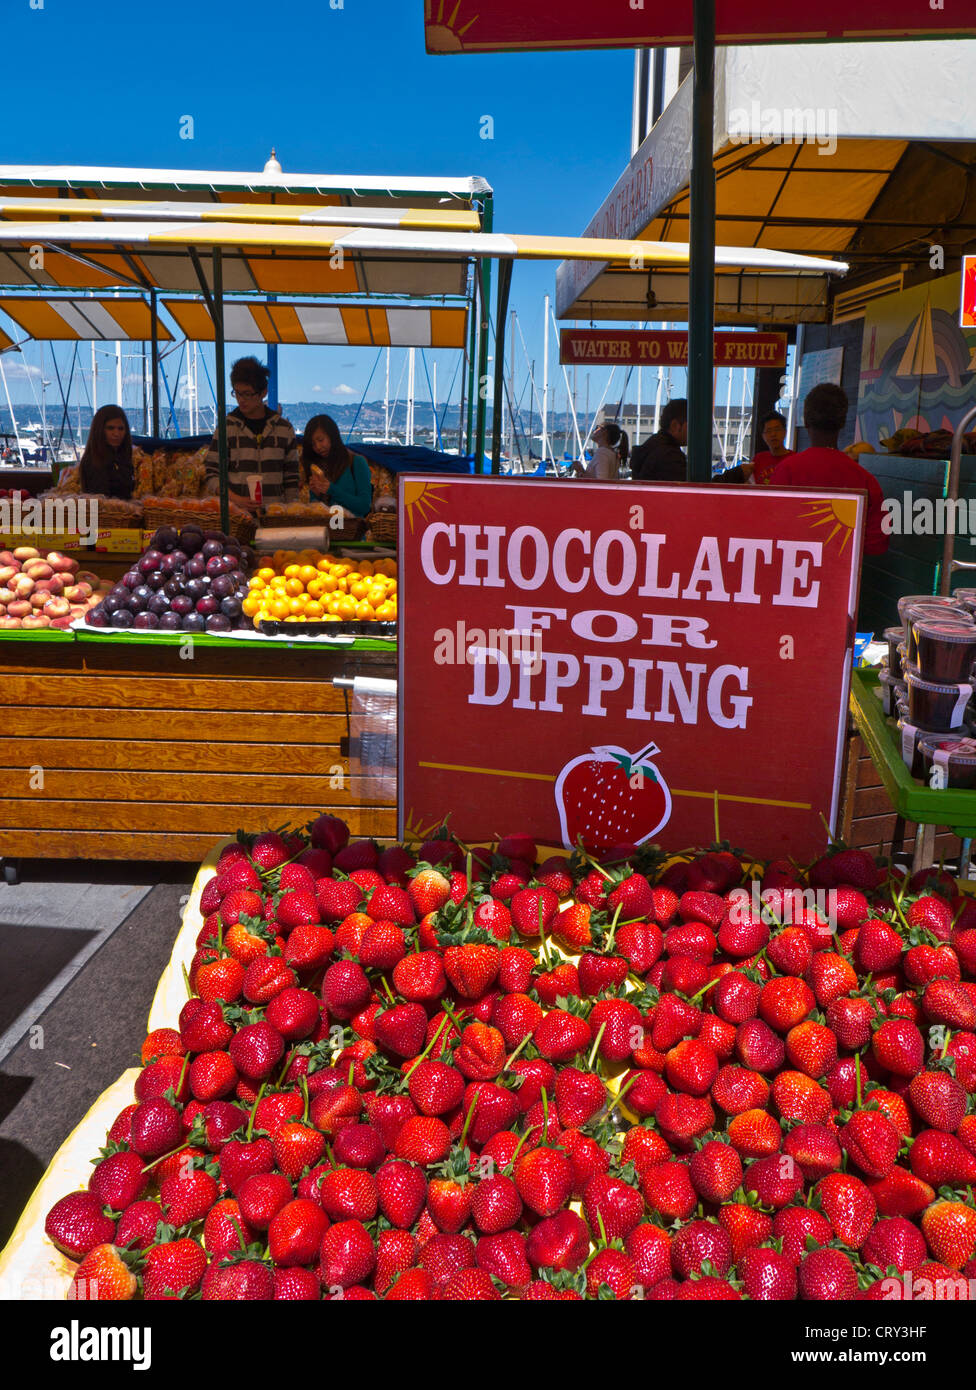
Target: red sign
x=661, y=347
x=478, y=26
x=967, y=316
x=625, y=662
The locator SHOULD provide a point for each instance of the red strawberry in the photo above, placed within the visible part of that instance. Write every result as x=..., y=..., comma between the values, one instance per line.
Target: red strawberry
x=119, y=1180
x=796, y=1226
x=396, y=1251
x=758, y=1047
x=337, y=898
x=348, y=1193
x=297, y=908
x=938, y=1100
x=894, y=1241
x=878, y=948
x=329, y=833
x=871, y=1142
x=611, y=1206
x=402, y=1029
x=561, y=1036
x=240, y=1160
x=347, y=1256
x=401, y=1190
x=188, y=1196
x=561, y=1241
x=221, y=979
x=261, y=1197
x=420, y=977
x=683, y=1119
x=755, y=1133
x=308, y=948
x=933, y=914
x=504, y=1257
x=691, y=1067
x=156, y=1128
x=610, y=1269
x=899, y=1047
x=173, y=1269
x=428, y=891
x=103, y=1275
x=950, y=1231
x=849, y=1207
x=225, y=1232
x=941, y=1160
x=811, y=1048
x=901, y=1193
x=945, y=1001
x=855, y=867
x=715, y=1171
x=924, y=963
x=138, y=1225
x=831, y=977
x=767, y=1276
x=776, y=1180
x=294, y=1013
x=698, y=1242
x=256, y=1049
x=212, y=1075
x=544, y=1178
x=77, y=1225
x=423, y=1139
x=737, y=1089
x=815, y=1149
x=790, y=951
x=245, y=1280
x=827, y=1274
x=480, y=1054
x=345, y=989
x=472, y=969
x=534, y=910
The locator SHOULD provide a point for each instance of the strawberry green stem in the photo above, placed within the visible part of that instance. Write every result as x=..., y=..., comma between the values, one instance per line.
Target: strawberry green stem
x=182, y=1077
x=510, y=1165
x=588, y=859
x=620, y=1095
x=289, y=1057
x=148, y=1167
x=186, y=981
x=596, y=1046
x=511, y=1057
x=427, y=1050
x=240, y=1233
x=254, y=1110
x=467, y=1121
x=613, y=928
x=303, y=1087
x=857, y=1075
x=703, y=991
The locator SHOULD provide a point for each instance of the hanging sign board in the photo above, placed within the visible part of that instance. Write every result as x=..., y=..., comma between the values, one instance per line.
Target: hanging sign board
x=667, y=348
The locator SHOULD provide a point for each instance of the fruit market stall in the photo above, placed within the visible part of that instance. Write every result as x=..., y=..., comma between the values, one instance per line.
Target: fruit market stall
x=532, y=1109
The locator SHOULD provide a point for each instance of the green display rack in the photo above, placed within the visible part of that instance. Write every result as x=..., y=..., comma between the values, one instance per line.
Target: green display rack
x=912, y=800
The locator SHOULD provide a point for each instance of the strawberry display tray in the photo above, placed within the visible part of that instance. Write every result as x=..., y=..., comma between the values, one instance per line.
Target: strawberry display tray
x=911, y=799
x=277, y=627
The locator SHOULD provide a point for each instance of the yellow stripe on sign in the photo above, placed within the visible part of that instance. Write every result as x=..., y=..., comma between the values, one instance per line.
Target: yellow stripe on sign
x=546, y=777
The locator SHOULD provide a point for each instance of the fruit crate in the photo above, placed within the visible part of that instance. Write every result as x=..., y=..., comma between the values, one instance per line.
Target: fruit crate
x=912, y=800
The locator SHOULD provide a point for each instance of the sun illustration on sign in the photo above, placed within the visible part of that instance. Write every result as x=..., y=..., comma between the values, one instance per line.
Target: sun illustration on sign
x=840, y=514
x=446, y=26
x=424, y=498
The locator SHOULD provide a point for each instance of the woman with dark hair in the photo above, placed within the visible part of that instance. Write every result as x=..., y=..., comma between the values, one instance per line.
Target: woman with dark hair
x=612, y=450
x=106, y=464
x=334, y=473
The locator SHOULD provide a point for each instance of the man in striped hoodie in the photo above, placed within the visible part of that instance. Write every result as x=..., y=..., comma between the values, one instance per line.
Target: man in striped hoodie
x=259, y=441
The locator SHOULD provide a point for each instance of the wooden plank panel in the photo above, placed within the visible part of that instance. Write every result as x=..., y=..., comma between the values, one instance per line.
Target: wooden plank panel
x=258, y=662
x=108, y=754
x=173, y=692
x=196, y=788
x=175, y=724
x=188, y=848
x=216, y=817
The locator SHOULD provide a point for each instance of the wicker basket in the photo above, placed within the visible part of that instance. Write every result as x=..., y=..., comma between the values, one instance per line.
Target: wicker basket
x=168, y=511
x=123, y=515
x=381, y=528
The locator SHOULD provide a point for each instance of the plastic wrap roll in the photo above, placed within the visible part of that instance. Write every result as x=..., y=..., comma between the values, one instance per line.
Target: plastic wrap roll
x=291, y=538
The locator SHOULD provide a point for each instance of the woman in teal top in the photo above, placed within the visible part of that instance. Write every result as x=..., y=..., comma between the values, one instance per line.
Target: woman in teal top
x=335, y=474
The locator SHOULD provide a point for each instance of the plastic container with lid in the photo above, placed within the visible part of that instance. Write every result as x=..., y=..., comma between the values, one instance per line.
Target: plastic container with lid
x=911, y=736
x=891, y=687
x=927, y=612
x=909, y=601
x=936, y=706
x=946, y=649
x=956, y=754
x=967, y=597
x=895, y=637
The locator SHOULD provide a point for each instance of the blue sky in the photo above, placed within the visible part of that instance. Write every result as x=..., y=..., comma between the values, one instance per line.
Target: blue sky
x=347, y=90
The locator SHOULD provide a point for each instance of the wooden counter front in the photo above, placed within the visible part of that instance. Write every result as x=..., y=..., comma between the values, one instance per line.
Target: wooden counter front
x=127, y=751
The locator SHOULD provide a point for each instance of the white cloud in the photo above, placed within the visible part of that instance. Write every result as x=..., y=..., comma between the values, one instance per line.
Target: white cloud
x=16, y=369
x=316, y=388
x=343, y=390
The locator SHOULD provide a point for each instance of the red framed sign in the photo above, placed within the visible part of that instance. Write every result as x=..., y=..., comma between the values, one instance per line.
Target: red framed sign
x=623, y=662
x=667, y=347
x=967, y=316
x=484, y=26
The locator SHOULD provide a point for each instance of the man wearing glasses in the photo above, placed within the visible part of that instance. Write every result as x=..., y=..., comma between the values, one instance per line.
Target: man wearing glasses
x=262, y=453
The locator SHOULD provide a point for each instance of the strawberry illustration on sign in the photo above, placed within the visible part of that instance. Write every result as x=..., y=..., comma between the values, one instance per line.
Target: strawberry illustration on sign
x=611, y=797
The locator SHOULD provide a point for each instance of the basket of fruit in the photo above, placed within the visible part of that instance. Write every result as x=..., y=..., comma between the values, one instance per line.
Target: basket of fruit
x=307, y=587
x=189, y=511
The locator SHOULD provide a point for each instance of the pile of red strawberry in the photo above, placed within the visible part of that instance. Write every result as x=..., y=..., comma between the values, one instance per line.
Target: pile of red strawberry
x=473, y=1076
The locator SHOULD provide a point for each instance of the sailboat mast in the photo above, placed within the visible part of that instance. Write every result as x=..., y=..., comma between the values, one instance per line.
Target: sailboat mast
x=545, y=384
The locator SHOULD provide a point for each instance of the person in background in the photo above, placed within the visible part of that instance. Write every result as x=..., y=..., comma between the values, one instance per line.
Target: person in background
x=760, y=470
x=106, y=465
x=333, y=472
x=260, y=442
x=823, y=465
x=661, y=458
x=612, y=450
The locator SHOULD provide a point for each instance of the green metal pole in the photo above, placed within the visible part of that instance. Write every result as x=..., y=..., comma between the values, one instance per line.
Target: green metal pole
x=484, y=271
x=701, y=278
x=155, y=364
x=501, y=314
x=219, y=373
x=472, y=350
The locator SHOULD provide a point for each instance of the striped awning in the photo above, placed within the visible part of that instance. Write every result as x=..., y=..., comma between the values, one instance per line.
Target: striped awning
x=41, y=209
x=318, y=260
x=71, y=320
x=370, y=325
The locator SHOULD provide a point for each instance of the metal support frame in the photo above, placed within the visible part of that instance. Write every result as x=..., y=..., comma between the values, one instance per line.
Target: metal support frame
x=484, y=281
x=472, y=350
x=155, y=363
x=701, y=277
x=949, y=562
x=501, y=314
x=220, y=374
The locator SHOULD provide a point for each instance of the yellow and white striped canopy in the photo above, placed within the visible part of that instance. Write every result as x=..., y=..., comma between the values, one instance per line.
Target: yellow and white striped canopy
x=320, y=260
x=72, y=320
x=41, y=209
x=327, y=324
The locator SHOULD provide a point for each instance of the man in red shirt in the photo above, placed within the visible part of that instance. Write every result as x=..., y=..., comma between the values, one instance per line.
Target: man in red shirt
x=824, y=465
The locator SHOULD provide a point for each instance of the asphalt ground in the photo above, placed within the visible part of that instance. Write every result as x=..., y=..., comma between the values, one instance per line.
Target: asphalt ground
x=82, y=947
